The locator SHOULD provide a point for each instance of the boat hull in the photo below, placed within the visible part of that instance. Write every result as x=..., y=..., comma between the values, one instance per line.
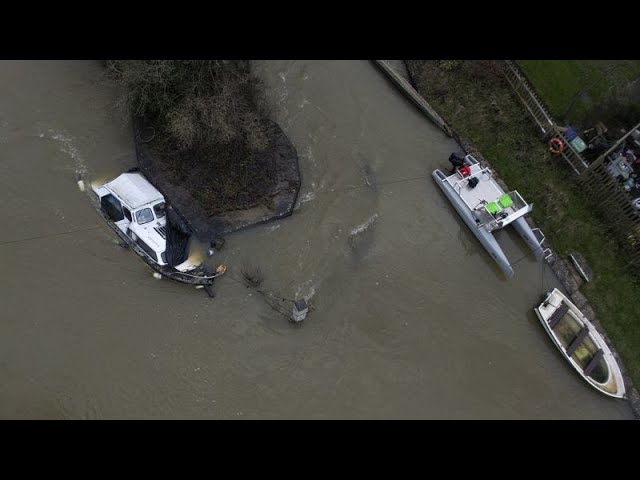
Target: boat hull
x=524, y=230
x=486, y=238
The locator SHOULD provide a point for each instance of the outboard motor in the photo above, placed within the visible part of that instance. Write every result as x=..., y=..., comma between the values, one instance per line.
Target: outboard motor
x=457, y=160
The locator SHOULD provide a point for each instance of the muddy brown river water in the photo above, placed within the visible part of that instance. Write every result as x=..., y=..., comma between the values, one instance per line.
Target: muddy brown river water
x=411, y=317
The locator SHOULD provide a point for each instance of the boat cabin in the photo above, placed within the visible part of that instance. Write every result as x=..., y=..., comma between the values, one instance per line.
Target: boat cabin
x=137, y=208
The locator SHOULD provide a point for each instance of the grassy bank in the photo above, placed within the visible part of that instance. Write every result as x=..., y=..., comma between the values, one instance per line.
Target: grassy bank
x=477, y=102
x=576, y=90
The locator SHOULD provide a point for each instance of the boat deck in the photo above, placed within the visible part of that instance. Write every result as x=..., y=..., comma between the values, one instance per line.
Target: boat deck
x=484, y=192
x=580, y=343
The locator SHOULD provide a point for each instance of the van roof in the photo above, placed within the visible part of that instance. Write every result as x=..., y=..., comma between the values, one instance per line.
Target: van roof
x=134, y=190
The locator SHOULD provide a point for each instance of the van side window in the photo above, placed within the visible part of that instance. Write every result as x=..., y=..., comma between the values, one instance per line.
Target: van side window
x=160, y=209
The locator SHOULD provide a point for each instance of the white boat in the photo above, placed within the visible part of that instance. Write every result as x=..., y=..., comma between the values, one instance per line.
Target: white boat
x=485, y=207
x=581, y=344
x=137, y=212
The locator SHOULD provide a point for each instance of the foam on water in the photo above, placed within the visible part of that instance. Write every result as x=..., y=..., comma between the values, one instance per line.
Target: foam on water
x=67, y=145
x=361, y=228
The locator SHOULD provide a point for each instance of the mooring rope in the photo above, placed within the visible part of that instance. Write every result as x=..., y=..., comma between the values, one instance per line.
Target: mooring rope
x=370, y=185
x=256, y=289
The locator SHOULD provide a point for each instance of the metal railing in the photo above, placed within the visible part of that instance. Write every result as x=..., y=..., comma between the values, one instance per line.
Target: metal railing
x=518, y=202
x=541, y=116
x=604, y=193
x=547, y=253
x=613, y=204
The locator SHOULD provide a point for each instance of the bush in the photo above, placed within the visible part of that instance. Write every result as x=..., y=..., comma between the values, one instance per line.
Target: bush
x=194, y=101
x=449, y=65
x=210, y=124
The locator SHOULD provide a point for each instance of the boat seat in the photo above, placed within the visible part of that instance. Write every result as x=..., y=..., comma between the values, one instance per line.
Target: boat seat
x=577, y=341
x=493, y=208
x=557, y=315
x=505, y=201
x=593, y=363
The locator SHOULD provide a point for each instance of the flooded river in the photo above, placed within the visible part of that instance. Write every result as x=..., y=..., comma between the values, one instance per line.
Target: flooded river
x=411, y=318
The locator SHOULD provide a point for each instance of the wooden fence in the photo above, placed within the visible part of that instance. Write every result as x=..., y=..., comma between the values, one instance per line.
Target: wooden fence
x=605, y=194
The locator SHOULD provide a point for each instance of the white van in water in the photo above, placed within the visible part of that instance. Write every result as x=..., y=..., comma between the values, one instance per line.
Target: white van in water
x=138, y=209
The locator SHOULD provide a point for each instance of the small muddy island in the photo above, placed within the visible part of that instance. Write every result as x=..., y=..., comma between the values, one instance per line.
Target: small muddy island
x=204, y=138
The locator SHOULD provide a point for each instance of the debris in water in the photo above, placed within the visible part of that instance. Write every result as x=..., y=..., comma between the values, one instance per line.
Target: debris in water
x=252, y=276
x=218, y=243
x=220, y=269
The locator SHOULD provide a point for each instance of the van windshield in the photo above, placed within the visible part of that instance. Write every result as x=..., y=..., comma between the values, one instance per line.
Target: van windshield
x=144, y=216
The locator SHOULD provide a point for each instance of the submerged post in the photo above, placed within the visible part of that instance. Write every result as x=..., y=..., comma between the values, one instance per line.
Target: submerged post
x=300, y=310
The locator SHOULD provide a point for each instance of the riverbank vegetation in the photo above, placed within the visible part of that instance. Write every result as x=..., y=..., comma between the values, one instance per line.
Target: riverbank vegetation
x=475, y=100
x=205, y=121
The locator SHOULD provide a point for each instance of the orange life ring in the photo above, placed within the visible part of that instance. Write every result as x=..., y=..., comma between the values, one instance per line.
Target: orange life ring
x=556, y=145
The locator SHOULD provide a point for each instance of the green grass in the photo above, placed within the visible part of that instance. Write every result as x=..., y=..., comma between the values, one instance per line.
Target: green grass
x=571, y=88
x=487, y=114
